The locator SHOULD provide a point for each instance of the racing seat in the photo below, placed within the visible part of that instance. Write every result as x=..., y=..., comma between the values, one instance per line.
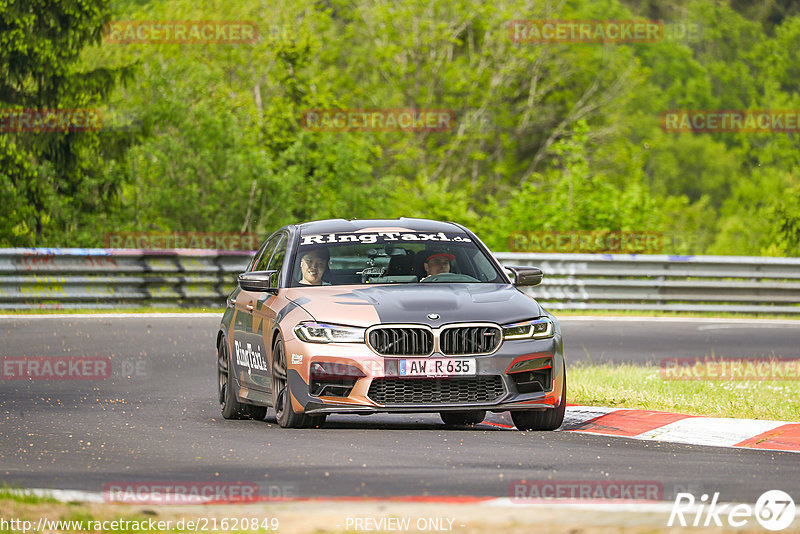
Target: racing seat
x=419, y=265
x=401, y=265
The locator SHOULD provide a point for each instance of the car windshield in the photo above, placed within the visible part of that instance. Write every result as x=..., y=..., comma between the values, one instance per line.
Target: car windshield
x=399, y=257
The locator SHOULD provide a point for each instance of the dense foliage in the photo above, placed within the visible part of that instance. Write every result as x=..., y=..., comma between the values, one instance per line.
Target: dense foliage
x=52, y=183
x=208, y=137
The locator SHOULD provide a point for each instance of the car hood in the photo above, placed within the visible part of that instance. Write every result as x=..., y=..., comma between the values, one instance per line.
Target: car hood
x=411, y=303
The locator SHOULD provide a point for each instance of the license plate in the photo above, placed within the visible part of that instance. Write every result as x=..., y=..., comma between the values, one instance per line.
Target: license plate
x=437, y=367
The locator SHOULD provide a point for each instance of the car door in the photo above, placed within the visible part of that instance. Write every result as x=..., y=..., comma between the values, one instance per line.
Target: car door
x=265, y=314
x=249, y=354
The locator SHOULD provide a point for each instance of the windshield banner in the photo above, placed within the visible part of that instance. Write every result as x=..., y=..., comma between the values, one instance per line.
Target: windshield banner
x=383, y=237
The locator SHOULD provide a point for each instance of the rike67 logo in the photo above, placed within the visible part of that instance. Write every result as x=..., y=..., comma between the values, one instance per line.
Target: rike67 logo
x=774, y=510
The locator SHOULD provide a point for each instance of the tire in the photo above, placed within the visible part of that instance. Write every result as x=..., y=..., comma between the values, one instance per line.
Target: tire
x=281, y=394
x=229, y=405
x=549, y=419
x=463, y=418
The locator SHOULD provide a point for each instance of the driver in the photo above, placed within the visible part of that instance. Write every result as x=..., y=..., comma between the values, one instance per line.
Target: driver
x=313, y=266
x=437, y=262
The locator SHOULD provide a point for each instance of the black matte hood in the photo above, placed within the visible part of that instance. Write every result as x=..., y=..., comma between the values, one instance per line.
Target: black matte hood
x=411, y=303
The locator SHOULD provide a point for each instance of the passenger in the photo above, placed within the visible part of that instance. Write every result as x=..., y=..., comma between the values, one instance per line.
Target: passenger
x=313, y=266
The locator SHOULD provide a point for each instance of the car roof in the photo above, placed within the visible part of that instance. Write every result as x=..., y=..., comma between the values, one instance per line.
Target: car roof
x=356, y=225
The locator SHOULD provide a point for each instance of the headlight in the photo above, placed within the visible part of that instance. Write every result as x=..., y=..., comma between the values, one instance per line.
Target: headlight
x=537, y=329
x=329, y=333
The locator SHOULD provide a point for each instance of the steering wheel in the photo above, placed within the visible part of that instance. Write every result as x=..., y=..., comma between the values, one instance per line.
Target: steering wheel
x=449, y=277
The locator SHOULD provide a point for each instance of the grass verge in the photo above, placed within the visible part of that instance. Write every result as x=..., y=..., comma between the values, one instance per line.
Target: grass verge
x=642, y=387
x=9, y=493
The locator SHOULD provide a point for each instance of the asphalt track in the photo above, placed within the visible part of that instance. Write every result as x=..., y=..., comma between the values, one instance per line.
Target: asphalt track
x=156, y=419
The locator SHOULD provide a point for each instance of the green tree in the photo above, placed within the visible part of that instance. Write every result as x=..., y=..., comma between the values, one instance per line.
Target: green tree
x=785, y=235
x=547, y=136
x=225, y=149
x=572, y=195
x=57, y=178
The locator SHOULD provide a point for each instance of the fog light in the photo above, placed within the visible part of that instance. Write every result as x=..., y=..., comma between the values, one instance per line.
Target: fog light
x=322, y=370
x=333, y=379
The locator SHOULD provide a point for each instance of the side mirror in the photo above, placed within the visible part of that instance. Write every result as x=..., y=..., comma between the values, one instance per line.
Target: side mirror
x=259, y=281
x=526, y=276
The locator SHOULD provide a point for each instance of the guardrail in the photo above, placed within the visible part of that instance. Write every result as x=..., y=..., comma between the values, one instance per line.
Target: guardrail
x=666, y=283
x=108, y=278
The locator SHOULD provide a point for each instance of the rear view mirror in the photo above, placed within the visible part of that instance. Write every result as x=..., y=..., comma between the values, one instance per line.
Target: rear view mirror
x=526, y=276
x=258, y=281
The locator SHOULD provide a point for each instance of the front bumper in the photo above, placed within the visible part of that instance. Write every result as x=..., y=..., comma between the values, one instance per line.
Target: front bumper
x=512, y=392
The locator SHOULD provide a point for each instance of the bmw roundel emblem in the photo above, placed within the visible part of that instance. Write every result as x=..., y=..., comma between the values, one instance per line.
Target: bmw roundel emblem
x=433, y=316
